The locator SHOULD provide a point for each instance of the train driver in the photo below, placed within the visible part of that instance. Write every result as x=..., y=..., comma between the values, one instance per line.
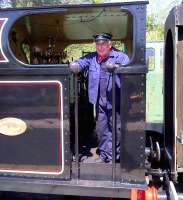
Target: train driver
x=100, y=64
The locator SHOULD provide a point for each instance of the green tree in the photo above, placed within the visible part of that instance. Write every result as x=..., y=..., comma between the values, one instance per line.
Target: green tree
x=5, y=3
x=155, y=31
x=39, y=3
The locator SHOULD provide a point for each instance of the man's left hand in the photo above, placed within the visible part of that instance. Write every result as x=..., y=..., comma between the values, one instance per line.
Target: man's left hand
x=111, y=66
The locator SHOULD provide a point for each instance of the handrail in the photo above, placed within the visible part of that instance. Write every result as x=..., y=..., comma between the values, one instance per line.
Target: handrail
x=113, y=129
x=137, y=69
x=76, y=126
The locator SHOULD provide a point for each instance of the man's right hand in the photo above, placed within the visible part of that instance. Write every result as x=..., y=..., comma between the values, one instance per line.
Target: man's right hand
x=74, y=67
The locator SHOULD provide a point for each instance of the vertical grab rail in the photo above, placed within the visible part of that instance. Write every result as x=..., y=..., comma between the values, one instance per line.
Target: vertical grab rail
x=76, y=126
x=113, y=128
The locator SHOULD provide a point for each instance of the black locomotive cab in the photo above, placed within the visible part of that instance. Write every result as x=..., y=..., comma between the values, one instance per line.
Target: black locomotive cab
x=46, y=121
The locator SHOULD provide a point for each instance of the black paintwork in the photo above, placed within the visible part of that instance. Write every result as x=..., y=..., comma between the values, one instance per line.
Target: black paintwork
x=86, y=179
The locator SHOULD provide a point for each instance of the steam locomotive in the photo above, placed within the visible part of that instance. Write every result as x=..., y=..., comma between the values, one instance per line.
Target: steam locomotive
x=47, y=122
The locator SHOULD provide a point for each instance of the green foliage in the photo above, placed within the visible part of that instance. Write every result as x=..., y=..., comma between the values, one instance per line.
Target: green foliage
x=75, y=51
x=97, y=1
x=155, y=31
x=39, y=3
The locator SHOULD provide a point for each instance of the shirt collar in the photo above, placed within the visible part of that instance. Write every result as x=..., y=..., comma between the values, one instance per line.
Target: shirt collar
x=100, y=58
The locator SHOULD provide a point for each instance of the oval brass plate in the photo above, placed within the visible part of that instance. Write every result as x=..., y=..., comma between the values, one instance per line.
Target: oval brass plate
x=11, y=126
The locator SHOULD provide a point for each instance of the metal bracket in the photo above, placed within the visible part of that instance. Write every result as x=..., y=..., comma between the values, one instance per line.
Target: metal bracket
x=180, y=138
x=172, y=191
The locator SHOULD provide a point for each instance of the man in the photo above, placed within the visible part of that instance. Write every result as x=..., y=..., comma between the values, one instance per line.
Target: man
x=99, y=65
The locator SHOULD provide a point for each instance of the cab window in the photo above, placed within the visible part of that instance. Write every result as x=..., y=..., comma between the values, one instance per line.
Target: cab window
x=52, y=37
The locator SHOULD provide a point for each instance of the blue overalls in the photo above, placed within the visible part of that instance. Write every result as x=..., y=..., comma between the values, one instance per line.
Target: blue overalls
x=100, y=93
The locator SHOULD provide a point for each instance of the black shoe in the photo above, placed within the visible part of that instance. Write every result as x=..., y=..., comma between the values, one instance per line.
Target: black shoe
x=99, y=160
x=83, y=158
x=93, y=160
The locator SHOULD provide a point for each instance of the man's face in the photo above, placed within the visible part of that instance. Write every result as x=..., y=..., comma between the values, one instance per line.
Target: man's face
x=103, y=47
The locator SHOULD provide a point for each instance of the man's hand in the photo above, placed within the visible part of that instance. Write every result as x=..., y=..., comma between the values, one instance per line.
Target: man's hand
x=74, y=67
x=111, y=66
